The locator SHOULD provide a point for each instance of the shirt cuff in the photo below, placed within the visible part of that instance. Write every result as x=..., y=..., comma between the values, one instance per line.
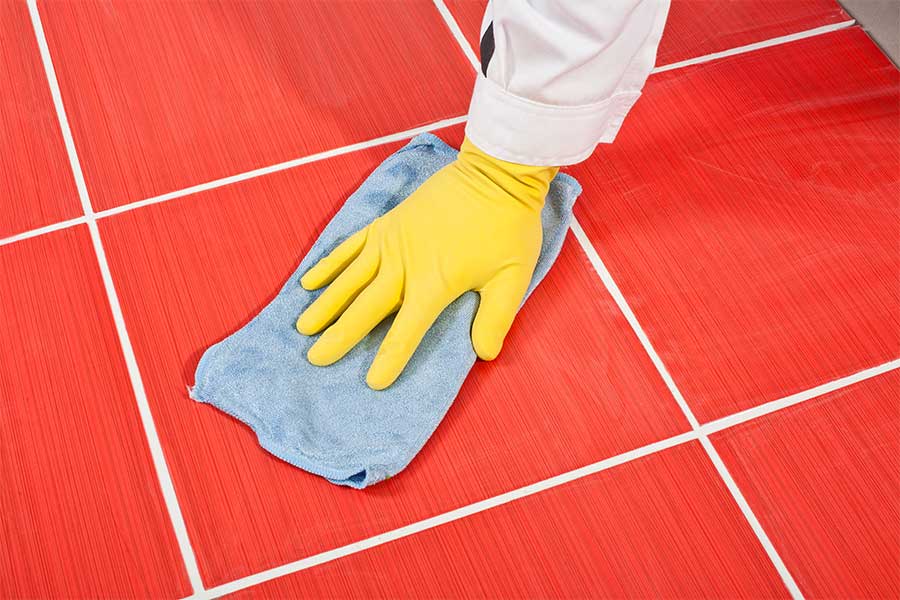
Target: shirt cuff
x=523, y=131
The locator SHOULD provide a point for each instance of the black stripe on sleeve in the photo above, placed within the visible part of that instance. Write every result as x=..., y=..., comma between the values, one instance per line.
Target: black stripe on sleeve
x=487, y=48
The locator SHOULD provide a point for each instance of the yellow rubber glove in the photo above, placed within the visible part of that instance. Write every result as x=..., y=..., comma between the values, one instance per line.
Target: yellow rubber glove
x=473, y=225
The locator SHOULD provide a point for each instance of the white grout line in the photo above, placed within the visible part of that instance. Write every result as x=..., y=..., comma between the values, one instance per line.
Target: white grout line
x=467, y=50
x=616, y=294
x=776, y=405
x=732, y=486
x=452, y=515
x=558, y=480
x=613, y=289
x=156, y=451
x=698, y=432
x=784, y=39
x=209, y=185
x=748, y=513
x=42, y=230
x=379, y=141
x=461, y=40
x=457, y=33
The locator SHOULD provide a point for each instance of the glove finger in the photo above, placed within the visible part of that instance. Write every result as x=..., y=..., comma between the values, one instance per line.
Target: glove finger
x=500, y=300
x=413, y=321
x=373, y=304
x=338, y=296
x=328, y=268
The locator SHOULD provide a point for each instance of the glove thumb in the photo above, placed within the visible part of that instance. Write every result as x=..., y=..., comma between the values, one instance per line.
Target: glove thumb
x=500, y=300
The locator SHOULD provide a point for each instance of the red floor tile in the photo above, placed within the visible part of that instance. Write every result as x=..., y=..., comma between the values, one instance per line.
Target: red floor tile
x=824, y=479
x=748, y=211
x=661, y=527
x=572, y=387
x=81, y=508
x=162, y=97
x=468, y=15
x=698, y=27
x=36, y=185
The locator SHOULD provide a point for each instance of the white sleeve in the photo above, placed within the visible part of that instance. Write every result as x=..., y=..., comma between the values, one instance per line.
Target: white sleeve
x=559, y=76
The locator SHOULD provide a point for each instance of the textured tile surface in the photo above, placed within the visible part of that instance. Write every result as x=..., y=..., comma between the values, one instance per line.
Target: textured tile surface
x=663, y=527
x=754, y=229
x=36, y=185
x=748, y=210
x=80, y=503
x=160, y=100
x=698, y=27
x=824, y=479
x=574, y=386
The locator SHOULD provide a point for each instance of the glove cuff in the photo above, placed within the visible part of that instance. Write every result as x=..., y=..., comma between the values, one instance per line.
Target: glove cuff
x=527, y=183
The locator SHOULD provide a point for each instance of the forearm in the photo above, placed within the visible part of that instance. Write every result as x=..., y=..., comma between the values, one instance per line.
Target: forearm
x=559, y=77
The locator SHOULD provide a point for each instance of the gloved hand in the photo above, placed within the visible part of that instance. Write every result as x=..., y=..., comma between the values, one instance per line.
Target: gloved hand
x=473, y=225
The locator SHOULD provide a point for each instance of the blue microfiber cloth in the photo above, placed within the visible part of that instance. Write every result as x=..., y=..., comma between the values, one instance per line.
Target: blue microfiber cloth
x=325, y=419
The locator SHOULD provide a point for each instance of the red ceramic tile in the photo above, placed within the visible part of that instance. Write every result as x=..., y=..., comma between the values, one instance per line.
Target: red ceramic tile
x=36, y=185
x=824, y=479
x=80, y=503
x=165, y=96
x=468, y=15
x=748, y=211
x=661, y=527
x=698, y=27
x=572, y=387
